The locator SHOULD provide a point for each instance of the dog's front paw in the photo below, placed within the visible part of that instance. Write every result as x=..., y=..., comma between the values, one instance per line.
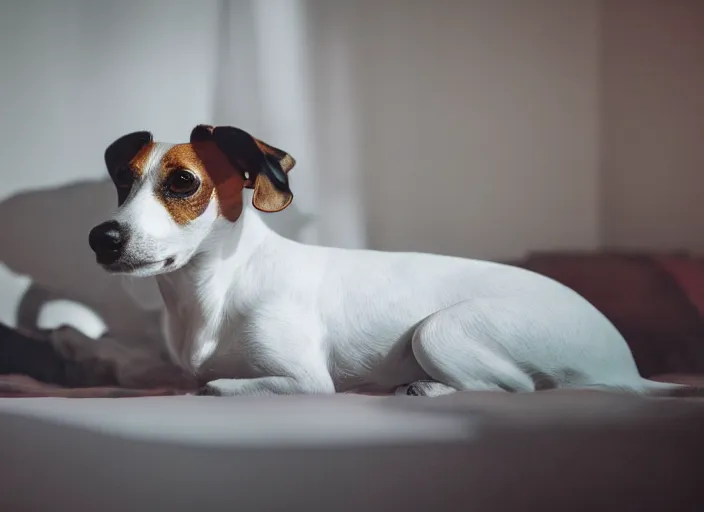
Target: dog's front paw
x=209, y=390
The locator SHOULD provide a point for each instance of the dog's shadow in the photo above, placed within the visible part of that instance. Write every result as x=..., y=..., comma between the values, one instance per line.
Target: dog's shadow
x=45, y=237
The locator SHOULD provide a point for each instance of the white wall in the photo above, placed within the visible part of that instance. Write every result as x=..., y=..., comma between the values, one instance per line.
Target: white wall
x=76, y=74
x=653, y=119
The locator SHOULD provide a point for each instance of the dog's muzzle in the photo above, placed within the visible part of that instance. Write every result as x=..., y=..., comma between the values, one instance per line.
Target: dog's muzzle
x=108, y=241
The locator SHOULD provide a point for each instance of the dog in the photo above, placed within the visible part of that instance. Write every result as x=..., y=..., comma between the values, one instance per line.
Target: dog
x=249, y=312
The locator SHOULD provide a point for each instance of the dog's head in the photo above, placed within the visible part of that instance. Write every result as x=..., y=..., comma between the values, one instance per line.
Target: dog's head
x=171, y=195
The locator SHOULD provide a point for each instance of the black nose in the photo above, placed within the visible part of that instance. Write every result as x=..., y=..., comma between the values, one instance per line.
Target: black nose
x=107, y=241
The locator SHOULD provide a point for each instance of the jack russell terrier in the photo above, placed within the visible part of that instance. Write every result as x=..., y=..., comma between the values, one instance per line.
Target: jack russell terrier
x=249, y=312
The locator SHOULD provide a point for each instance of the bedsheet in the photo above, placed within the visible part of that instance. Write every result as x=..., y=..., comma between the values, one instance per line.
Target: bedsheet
x=549, y=451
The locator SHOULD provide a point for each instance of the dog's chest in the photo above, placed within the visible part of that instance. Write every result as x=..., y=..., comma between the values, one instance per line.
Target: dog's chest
x=195, y=327
x=209, y=347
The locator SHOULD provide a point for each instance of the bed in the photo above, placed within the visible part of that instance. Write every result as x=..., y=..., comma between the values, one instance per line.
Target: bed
x=552, y=450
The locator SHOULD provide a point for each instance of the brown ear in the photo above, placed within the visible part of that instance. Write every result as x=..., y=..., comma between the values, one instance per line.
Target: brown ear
x=125, y=148
x=264, y=166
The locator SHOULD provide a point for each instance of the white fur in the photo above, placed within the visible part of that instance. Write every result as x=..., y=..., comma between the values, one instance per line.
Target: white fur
x=250, y=312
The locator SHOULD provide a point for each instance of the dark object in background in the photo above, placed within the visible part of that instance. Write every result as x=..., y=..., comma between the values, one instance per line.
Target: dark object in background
x=36, y=357
x=25, y=355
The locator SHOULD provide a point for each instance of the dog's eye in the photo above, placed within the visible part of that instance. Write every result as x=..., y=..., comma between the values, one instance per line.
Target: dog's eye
x=123, y=177
x=182, y=183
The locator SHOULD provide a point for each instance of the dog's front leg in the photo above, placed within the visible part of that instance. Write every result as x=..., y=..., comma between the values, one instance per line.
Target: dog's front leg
x=269, y=386
x=289, y=360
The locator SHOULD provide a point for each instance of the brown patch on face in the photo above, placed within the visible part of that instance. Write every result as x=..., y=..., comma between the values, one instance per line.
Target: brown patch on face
x=138, y=164
x=213, y=169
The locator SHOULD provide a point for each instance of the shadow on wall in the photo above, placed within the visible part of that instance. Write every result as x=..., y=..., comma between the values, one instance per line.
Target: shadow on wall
x=47, y=240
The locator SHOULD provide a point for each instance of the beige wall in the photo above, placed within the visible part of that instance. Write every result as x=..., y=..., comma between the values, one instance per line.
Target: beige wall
x=491, y=128
x=480, y=133
x=653, y=124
